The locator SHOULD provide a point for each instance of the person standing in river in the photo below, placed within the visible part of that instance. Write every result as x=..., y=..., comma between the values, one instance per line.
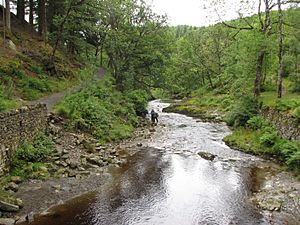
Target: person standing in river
x=154, y=116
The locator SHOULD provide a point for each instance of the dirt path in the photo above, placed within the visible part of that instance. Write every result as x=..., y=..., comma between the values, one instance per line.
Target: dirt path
x=52, y=99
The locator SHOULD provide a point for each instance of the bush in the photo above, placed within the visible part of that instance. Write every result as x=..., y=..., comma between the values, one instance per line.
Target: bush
x=29, y=156
x=257, y=122
x=246, y=108
x=36, y=152
x=268, y=138
x=102, y=111
x=296, y=113
x=139, y=98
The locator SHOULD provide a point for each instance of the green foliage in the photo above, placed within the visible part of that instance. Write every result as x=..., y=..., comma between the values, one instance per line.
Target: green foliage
x=246, y=108
x=296, y=113
x=38, y=151
x=29, y=157
x=139, y=98
x=265, y=140
x=101, y=110
x=268, y=137
x=257, y=122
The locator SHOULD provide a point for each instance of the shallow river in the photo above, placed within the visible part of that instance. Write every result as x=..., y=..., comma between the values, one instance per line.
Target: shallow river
x=169, y=183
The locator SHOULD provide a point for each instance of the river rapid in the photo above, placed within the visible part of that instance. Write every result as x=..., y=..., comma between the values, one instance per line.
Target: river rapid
x=168, y=183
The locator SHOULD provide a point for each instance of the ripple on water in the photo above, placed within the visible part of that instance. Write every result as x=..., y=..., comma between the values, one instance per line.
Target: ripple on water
x=168, y=183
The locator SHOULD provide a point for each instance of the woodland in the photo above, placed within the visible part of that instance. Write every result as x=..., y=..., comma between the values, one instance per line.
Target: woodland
x=232, y=67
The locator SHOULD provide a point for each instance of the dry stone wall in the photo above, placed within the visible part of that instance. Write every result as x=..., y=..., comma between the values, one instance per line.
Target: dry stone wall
x=287, y=125
x=17, y=126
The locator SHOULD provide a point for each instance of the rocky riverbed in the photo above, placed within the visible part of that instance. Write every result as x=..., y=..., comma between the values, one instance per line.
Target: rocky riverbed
x=79, y=165
x=182, y=160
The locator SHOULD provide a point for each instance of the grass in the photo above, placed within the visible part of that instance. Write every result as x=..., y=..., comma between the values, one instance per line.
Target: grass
x=289, y=101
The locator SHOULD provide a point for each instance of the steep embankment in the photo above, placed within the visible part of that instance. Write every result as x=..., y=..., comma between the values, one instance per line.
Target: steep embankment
x=24, y=67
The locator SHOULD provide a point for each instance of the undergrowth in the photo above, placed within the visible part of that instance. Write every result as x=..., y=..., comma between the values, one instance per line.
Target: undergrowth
x=101, y=110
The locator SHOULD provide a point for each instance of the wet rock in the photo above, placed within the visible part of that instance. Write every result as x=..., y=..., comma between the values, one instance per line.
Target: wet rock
x=16, y=179
x=139, y=145
x=207, y=156
x=7, y=221
x=8, y=207
x=182, y=126
x=12, y=186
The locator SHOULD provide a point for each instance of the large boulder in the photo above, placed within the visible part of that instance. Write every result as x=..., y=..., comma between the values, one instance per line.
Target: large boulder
x=207, y=156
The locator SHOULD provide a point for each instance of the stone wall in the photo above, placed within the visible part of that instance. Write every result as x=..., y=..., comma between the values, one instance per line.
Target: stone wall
x=287, y=125
x=17, y=126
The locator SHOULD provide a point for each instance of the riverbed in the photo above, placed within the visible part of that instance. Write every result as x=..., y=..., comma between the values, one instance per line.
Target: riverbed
x=167, y=182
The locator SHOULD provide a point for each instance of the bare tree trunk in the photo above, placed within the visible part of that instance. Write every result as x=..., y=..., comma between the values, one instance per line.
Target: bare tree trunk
x=7, y=15
x=101, y=55
x=257, y=82
x=21, y=10
x=3, y=16
x=42, y=28
x=280, y=51
x=31, y=14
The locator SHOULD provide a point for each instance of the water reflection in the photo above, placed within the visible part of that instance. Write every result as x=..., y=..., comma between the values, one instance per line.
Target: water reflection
x=168, y=183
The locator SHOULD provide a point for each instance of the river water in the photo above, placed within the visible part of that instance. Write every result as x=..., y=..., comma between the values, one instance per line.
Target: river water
x=169, y=183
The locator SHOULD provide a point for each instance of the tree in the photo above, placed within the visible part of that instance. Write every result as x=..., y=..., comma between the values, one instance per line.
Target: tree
x=21, y=10
x=31, y=13
x=280, y=51
x=7, y=16
x=42, y=25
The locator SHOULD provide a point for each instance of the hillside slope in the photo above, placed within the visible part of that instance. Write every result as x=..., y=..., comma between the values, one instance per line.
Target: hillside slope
x=24, y=72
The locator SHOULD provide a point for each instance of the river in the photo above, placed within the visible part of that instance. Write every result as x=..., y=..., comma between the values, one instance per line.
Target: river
x=169, y=183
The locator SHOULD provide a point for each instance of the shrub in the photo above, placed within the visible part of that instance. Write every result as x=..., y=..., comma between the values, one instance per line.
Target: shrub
x=36, y=152
x=139, y=98
x=246, y=108
x=257, y=122
x=294, y=161
x=269, y=136
x=296, y=113
x=102, y=111
x=29, y=156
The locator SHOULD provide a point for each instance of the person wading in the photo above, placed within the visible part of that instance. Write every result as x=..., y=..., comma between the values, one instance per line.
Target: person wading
x=154, y=116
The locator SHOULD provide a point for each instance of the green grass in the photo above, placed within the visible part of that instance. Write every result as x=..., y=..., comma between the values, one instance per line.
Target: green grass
x=289, y=101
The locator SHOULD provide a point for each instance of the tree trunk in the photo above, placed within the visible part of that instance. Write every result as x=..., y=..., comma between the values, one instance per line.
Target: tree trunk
x=257, y=82
x=280, y=52
x=42, y=26
x=21, y=10
x=101, y=55
x=7, y=15
x=31, y=11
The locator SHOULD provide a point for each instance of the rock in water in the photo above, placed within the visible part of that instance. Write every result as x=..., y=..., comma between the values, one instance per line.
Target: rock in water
x=207, y=155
